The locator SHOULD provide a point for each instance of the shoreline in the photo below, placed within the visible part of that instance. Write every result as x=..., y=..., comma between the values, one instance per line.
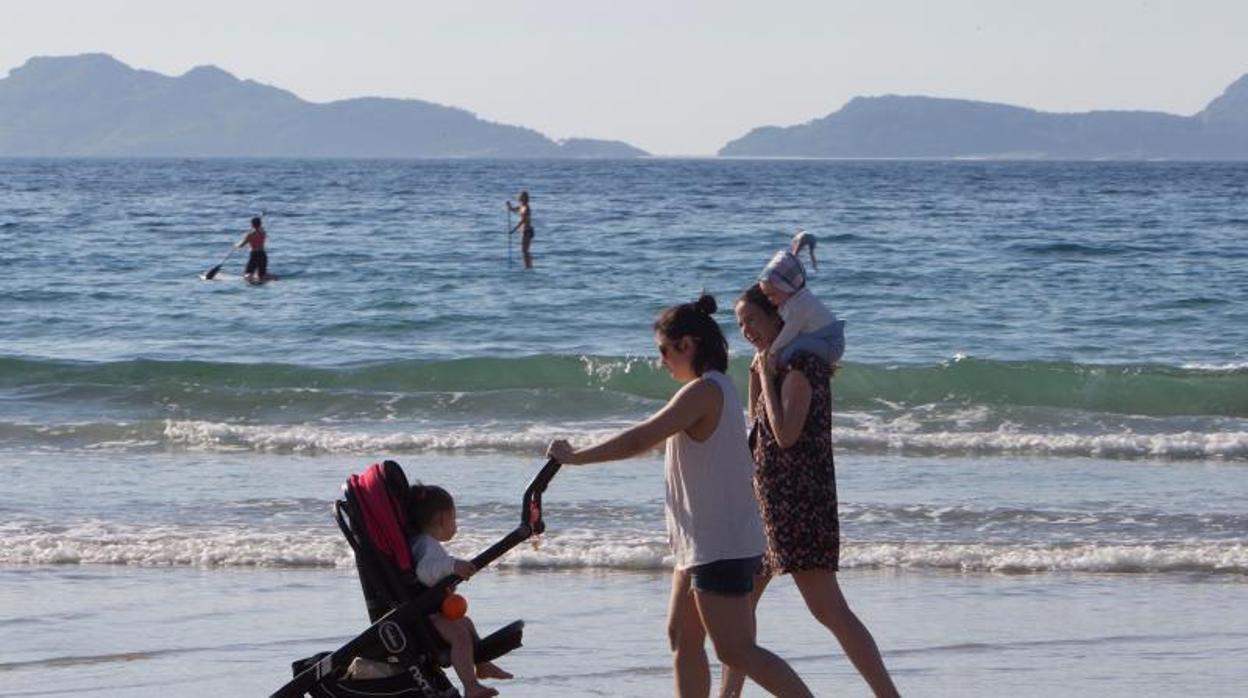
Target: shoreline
x=943, y=634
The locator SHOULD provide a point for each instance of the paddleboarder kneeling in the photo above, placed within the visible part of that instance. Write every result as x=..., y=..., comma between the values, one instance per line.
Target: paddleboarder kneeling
x=258, y=263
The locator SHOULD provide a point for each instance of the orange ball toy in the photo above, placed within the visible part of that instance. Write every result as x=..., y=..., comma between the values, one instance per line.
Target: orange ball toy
x=454, y=606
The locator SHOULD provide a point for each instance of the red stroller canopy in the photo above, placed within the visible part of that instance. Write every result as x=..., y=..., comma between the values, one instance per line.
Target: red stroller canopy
x=385, y=517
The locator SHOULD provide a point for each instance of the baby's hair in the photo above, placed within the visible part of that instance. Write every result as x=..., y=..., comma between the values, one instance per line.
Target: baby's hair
x=425, y=502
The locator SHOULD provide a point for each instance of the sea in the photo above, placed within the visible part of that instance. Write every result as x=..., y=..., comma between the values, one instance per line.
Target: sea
x=1040, y=425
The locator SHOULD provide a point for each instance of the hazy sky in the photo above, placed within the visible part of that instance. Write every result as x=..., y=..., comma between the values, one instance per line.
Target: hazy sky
x=672, y=77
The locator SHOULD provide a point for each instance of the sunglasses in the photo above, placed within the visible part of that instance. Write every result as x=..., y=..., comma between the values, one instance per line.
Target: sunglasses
x=666, y=348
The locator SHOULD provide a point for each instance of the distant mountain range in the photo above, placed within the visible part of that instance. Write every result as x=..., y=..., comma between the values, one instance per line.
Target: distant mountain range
x=916, y=127
x=95, y=105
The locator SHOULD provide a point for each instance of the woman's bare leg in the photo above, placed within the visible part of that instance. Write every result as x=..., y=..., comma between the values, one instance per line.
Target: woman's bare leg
x=525, y=242
x=827, y=604
x=732, y=680
x=688, y=641
x=729, y=621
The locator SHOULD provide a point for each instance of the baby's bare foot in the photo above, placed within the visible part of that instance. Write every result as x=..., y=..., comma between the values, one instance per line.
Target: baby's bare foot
x=490, y=670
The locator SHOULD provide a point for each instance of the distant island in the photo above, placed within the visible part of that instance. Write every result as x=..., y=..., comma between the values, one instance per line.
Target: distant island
x=95, y=105
x=926, y=127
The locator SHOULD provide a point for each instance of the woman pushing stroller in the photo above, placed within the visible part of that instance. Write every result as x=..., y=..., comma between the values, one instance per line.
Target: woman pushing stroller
x=712, y=516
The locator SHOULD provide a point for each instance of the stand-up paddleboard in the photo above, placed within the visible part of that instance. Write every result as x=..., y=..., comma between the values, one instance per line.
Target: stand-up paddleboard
x=250, y=282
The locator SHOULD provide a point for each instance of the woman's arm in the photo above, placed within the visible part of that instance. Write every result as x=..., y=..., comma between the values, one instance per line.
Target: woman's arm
x=691, y=404
x=787, y=407
x=754, y=386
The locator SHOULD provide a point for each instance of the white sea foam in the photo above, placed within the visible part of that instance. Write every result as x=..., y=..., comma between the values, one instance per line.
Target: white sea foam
x=1186, y=445
x=166, y=546
x=320, y=439
x=903, y=435
x=1082, y=557
x=160, y=546
x=1225, y=367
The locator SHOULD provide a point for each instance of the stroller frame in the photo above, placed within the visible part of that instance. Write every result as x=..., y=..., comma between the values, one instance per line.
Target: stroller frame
x=400, y=631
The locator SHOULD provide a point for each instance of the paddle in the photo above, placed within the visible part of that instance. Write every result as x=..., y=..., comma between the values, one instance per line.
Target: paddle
x=213, y=271
x=510, y=230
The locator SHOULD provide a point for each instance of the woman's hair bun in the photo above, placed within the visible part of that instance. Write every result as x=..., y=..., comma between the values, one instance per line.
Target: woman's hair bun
x=706, y=304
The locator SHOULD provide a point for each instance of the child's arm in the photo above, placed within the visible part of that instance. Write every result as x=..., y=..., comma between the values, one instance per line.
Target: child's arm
x=802, y=313
x=464, y=569
x=787, y=333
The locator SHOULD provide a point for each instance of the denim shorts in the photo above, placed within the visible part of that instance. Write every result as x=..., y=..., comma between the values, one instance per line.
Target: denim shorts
x=729, y=577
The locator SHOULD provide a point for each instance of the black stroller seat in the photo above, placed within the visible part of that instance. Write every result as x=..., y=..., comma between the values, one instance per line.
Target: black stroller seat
x=371, y=515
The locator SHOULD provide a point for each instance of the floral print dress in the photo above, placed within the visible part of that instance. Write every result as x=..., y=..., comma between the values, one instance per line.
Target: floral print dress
x=796, y=486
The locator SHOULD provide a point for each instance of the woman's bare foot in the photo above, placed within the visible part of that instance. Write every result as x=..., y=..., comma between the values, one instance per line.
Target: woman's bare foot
x=490, y=670
x=480, y=691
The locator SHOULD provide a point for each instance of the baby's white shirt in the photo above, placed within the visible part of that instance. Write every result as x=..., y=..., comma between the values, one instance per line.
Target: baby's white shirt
x=432, y=561
x=802, y=313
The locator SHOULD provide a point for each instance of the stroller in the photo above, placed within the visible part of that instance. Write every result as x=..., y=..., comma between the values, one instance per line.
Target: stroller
x=371, y=515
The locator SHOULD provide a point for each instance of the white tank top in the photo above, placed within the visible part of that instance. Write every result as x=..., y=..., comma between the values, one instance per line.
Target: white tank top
x=711, y=510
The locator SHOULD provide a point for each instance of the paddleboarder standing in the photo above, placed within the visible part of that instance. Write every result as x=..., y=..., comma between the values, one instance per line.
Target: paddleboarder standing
x=525, y=226
x=258, y=262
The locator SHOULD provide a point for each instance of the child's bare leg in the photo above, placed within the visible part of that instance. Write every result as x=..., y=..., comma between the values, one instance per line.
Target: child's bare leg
x=459, y=636
x=486, y=670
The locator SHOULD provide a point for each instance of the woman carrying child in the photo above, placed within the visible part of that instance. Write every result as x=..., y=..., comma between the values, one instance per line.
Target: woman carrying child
x=431, y=515
x=795, y=481
x=712, y=516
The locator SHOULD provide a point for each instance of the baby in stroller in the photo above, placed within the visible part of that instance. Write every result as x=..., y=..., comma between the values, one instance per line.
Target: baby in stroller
x=400, y=654
x=432, y=521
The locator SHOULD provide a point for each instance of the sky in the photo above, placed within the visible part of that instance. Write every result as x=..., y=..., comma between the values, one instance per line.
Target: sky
x=673, y=77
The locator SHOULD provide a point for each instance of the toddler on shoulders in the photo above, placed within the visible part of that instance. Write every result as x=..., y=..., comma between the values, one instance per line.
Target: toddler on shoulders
x=808, y=324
